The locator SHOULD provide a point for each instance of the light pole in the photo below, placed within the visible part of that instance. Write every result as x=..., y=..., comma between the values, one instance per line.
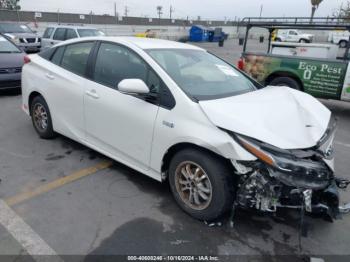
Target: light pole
x=315, y=4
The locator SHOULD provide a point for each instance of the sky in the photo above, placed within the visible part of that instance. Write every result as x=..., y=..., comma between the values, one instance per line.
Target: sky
x=207, y=9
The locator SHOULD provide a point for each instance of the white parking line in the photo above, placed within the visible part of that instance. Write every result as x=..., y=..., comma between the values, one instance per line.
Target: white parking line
x=25, y=235
x=342, y=144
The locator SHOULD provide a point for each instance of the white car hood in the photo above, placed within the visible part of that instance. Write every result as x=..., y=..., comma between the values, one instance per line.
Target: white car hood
x=279, y=116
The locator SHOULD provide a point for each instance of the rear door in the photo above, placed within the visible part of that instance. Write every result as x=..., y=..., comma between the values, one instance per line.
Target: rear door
x=70, y=34
x=58, y=36
x=65, y=81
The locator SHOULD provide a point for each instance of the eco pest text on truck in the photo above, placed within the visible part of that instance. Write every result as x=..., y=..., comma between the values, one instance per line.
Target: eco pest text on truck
x=315, y=69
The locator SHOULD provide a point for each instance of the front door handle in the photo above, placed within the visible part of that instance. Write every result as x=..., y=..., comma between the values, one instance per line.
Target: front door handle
x=92, y=93
x=49, y=76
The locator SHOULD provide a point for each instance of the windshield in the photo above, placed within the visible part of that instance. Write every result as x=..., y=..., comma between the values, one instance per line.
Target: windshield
x=14, y=28
x=7, y=47
x=202, y=75
x=90, y=32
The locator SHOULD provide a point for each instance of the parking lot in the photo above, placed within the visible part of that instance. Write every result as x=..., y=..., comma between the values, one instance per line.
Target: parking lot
x=82, y=203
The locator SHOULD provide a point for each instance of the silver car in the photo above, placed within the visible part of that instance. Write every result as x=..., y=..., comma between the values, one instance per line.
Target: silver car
x=22, y=36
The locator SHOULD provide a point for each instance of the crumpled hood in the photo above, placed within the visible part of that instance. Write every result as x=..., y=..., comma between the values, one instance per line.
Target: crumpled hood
x=279, y=116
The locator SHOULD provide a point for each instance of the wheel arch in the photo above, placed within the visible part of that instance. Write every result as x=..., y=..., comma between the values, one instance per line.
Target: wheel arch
x=31, y=97
x=170, y=153
x=281, y=73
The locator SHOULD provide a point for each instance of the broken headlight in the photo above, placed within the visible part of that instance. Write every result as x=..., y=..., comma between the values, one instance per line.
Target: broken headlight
x=302, y=169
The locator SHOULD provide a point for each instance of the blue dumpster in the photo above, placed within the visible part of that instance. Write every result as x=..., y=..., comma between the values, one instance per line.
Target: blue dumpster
x=199, y=33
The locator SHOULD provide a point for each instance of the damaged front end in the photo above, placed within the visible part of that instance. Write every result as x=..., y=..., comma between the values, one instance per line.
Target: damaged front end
x=299, y=179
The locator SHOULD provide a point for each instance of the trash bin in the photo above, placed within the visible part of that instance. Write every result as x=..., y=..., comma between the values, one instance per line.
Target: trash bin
x=261, y=39
x=241, y=41
x=221, y=42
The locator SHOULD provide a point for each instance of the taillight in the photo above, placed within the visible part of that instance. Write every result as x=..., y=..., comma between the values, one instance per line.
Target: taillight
x=26, y=59
x=240, y=64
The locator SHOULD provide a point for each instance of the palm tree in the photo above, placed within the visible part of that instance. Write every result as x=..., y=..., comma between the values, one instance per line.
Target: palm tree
x=315, y=4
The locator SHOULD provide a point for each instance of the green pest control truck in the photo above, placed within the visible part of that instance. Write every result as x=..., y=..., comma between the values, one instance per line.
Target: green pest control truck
x=312, y=68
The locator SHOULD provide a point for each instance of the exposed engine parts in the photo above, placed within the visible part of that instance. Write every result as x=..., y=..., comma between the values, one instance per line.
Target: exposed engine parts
x=266, y=190
x=259, y=191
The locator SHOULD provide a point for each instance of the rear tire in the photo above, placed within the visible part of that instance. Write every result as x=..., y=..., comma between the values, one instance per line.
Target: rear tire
x=304, y=41
x=41, y=118
x=196, y=172
x=343, y=44
x=278, y=40
x=286, y=81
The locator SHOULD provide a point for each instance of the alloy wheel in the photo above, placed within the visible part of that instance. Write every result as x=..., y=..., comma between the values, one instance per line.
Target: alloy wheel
x=40, y=117
x=193, y=185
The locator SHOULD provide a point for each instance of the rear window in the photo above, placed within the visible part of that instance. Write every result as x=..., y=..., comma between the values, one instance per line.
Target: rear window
x=57, y=57
x=71, y=34
x=48, y=32
x=59, y=34
x=76, y=56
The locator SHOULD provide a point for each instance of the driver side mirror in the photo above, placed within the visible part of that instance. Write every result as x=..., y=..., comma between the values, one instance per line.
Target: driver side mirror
x=133, y=86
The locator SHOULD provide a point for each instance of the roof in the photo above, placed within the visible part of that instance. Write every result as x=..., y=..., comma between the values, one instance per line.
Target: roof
x=140, y=42
x=72, y=26
x=318, y=23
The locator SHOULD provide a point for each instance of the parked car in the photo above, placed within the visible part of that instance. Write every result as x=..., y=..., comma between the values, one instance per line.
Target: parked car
x=22, y=36
x=11, y=62
x=340, y=38
x=176, y=113
x=56, y=34
x=293, y=35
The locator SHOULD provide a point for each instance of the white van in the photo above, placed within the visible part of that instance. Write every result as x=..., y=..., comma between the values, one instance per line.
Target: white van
x=56, y=34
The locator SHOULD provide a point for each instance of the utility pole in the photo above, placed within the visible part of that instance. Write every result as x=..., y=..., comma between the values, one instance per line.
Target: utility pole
x=171, y=11
x=115, y=9
x=126, y=11
x=159, y=11
x=261, y=10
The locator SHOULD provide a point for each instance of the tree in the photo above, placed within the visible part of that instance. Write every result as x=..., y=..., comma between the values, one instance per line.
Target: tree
x=343, y=12
x=159, y=11
x=10, y=4
x=315, y=4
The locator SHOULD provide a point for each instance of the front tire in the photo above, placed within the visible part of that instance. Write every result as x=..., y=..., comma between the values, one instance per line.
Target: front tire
x=202, y=184
x=41, y=118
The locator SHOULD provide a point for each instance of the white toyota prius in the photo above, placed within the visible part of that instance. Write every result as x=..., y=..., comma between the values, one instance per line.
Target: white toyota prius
x=177, y=113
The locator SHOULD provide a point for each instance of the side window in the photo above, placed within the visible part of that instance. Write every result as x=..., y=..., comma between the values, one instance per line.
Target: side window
x=59, y=34
x=115, y=63
x=76, y=56
x=153, y=82
x=48, y=32
x=71, y=34
x=57, y=57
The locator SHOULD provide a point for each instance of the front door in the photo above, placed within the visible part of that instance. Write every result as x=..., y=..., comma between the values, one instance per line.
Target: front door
x=119, y=124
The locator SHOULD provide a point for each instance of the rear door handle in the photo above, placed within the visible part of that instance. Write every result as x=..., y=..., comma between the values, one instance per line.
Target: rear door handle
x=92, y=93
x=49, y=76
